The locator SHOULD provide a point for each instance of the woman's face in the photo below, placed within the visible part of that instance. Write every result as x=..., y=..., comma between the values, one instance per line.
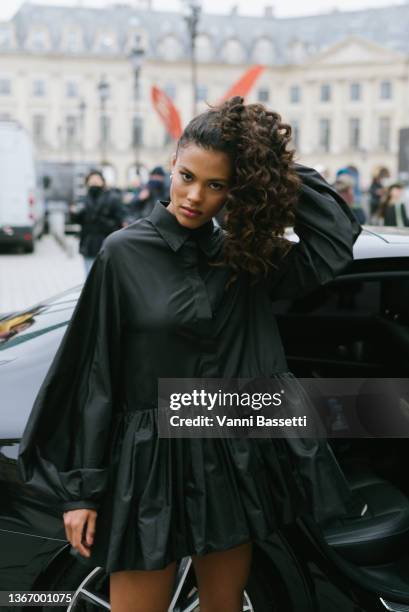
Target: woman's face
x=94, y=180
x=200, y=184
x=395, y=195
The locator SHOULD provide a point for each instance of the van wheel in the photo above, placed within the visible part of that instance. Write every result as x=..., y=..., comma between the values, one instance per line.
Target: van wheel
x=29, y=247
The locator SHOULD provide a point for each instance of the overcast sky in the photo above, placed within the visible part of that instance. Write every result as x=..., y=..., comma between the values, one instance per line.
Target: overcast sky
x=283, y=8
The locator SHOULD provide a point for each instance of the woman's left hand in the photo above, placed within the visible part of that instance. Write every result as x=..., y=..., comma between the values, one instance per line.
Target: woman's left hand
x=76, y=522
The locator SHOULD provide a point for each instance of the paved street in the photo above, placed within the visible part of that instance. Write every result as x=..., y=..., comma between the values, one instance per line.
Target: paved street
x=28, y=279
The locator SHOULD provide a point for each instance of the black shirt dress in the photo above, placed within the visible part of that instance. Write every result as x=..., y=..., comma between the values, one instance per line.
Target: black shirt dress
x=152, y=307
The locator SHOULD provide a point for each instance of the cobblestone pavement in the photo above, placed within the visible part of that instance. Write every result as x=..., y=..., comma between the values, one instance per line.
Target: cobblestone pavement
x=26, y=279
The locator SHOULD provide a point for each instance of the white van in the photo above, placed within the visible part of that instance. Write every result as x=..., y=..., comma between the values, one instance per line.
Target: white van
x=22, y=206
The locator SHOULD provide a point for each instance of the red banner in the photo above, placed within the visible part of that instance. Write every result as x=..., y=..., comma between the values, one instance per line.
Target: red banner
x=243, y=86
x=167, y=111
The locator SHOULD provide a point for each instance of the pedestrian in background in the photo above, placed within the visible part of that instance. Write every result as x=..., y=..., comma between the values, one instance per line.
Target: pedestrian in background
x=157, y=188
x=345, y=187
x=100, y=213
x=353, y=172
x=377, y=190
x=130, y=198
x=392, y=208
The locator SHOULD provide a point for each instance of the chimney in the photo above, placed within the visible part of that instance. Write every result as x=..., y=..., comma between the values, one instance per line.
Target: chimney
x=269, y=11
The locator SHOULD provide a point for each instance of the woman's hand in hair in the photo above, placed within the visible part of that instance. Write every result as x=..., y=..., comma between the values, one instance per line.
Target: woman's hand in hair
x=80, y=529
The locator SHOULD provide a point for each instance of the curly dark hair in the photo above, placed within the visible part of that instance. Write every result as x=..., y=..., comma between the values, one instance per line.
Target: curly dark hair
x=265, y=186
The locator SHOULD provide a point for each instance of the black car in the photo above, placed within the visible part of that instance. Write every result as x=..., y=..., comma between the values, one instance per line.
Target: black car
x=355, y=327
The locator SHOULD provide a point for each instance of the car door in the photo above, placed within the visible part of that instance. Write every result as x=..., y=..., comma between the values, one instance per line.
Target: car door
x=357, y=326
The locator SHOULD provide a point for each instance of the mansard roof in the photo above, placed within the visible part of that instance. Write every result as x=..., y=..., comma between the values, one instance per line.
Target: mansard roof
x=293, y=40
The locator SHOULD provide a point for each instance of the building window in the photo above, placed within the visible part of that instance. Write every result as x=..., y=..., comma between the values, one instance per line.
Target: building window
x=355, y=134
x=170, y=90
x=263, y=95
x=295, y=94
x=170, y=49
x=325, y=135
x=204, y=48
x=104, y=91
x=137, y=131
x=385, y=133
x=105, y=129
x=325, y=92
x=106, y=43
x=71, y=89
x=5, y=87
x=201, y=93
x=263, y=52
x=73, y=41
x=355, y=91
x=71, y=130
x=38, y=88
x=233, y=52
x=39, y=40
x=5, y=39
x=295, y=133
x=385, y=91
x=38, y=129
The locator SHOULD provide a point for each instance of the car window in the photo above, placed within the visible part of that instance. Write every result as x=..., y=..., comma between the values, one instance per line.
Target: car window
x=356, y=326
x=353, y=297
x=385, y=296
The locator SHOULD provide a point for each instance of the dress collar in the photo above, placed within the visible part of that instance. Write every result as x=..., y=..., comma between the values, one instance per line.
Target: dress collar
x=208, y=237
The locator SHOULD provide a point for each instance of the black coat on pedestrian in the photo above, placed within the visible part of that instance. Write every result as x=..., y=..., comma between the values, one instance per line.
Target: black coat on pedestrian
x=390, y=215
x=359, y=213
x=98, y=216
x=376, y=191
x=142, y=208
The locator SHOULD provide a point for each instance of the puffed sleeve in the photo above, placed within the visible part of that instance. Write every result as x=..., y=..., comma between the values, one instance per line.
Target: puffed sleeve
x=327, y=230
x=63, y=451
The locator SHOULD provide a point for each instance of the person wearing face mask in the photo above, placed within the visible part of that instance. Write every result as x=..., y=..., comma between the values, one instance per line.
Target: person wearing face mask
x=100, y=213
x=155, y=189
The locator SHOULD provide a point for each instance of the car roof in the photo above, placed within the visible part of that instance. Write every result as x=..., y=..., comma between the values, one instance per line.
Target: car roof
x=375, y=242
x=389, y=234
x=378, y=242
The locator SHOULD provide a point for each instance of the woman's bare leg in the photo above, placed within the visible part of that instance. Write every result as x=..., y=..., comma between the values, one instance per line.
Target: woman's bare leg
x=222, y=578
x=142, y=591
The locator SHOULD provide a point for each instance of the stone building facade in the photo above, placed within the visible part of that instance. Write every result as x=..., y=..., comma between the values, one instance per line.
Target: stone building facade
x=341, y=80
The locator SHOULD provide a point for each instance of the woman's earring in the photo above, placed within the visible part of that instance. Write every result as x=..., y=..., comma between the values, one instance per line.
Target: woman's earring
x=171, y=175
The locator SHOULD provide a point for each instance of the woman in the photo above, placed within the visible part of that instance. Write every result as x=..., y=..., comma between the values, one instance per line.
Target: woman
x=99, y=214
x=377, y=190
x=175, y=296
x=392, y=209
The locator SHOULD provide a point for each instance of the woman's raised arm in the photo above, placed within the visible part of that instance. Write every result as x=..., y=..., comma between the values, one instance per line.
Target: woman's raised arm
x=327, y=230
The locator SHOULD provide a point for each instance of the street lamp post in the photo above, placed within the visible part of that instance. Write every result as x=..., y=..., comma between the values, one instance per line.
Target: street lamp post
x=136, y=57
x=192, y=17
x=82, y=107
x=103, y=91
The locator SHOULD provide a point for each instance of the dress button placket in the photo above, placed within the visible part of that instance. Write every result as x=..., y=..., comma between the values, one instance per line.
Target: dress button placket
x=203, y=316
